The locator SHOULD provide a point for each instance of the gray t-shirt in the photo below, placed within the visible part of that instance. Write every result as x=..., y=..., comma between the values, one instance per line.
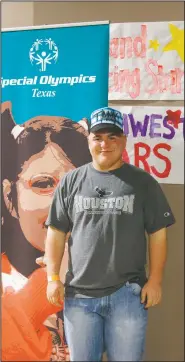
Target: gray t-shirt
x=107, y=214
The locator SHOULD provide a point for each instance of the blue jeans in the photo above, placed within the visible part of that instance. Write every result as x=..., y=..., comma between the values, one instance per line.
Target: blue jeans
x=115, y=324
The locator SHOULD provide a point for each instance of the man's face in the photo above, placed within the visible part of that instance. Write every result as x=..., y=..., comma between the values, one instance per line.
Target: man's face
x=106, y=147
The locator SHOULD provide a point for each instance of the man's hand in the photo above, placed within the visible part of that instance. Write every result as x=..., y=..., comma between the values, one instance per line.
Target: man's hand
x=55, y=293
x=151, y=293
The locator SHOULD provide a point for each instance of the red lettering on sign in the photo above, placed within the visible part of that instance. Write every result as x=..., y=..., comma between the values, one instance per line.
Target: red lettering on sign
x=124, y=80
x=143, y=158
x=142, y=40
x=163, y=82
x=168, y=166
x=128, y=47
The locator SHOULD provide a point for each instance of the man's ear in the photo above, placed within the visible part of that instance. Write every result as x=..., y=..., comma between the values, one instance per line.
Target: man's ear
x=7, y=193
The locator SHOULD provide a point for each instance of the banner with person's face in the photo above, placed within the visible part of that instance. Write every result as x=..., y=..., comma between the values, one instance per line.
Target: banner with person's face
x=52, y=79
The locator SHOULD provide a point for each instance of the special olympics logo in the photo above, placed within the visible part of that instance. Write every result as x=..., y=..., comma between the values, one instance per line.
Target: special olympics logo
x=43, y=52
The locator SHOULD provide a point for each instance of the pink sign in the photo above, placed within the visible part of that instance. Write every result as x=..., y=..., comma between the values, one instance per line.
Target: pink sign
x=146, y=61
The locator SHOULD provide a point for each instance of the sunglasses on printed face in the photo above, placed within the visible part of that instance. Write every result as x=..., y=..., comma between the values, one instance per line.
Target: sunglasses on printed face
x=43, y=184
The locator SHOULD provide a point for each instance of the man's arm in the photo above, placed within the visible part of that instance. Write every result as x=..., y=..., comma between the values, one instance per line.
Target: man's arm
x=42, y=261
x=157, y=254
x=157, y=259
x=54, y=250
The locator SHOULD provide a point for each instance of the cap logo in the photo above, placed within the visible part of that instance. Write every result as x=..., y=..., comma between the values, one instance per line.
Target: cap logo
x=107, y=115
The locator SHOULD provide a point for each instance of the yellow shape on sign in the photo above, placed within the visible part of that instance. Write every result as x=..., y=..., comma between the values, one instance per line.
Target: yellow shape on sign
x=177, y=42
x=154, y=44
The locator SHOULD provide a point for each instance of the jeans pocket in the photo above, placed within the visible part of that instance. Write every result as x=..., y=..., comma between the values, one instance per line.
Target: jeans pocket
x=135, y=288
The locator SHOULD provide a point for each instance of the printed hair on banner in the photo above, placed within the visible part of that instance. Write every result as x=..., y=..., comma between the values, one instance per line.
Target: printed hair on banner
x=155, y=141
x=146, y=61
x=35, y=157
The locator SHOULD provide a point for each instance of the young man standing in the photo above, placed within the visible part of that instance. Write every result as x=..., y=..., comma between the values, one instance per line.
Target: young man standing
x=107, y=206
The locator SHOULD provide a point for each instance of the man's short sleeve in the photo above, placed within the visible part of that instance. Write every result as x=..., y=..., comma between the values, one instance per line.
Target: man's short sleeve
x=157, y=212
x=58, y=216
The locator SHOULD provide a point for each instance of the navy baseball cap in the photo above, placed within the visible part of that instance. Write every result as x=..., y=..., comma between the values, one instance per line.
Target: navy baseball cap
x=106, y=118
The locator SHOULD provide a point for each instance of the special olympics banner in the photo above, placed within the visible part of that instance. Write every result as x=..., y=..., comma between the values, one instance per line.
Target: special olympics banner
x=52, y=78
x=155, y=141
x=146, y=61
x=58, y=70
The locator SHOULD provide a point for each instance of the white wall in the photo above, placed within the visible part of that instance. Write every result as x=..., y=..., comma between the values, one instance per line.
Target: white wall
x=17, y=14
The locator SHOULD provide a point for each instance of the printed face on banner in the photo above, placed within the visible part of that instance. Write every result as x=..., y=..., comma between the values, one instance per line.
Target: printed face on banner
x=35, y=157
x=41, y=155
x=146, y=61
x=155, y=141
x=35, y=187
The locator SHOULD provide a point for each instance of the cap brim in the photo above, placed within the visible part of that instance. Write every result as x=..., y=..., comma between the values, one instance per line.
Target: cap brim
x=103, y=126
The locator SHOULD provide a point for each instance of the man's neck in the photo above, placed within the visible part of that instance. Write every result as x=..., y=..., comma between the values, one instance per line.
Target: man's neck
x=98, y=167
